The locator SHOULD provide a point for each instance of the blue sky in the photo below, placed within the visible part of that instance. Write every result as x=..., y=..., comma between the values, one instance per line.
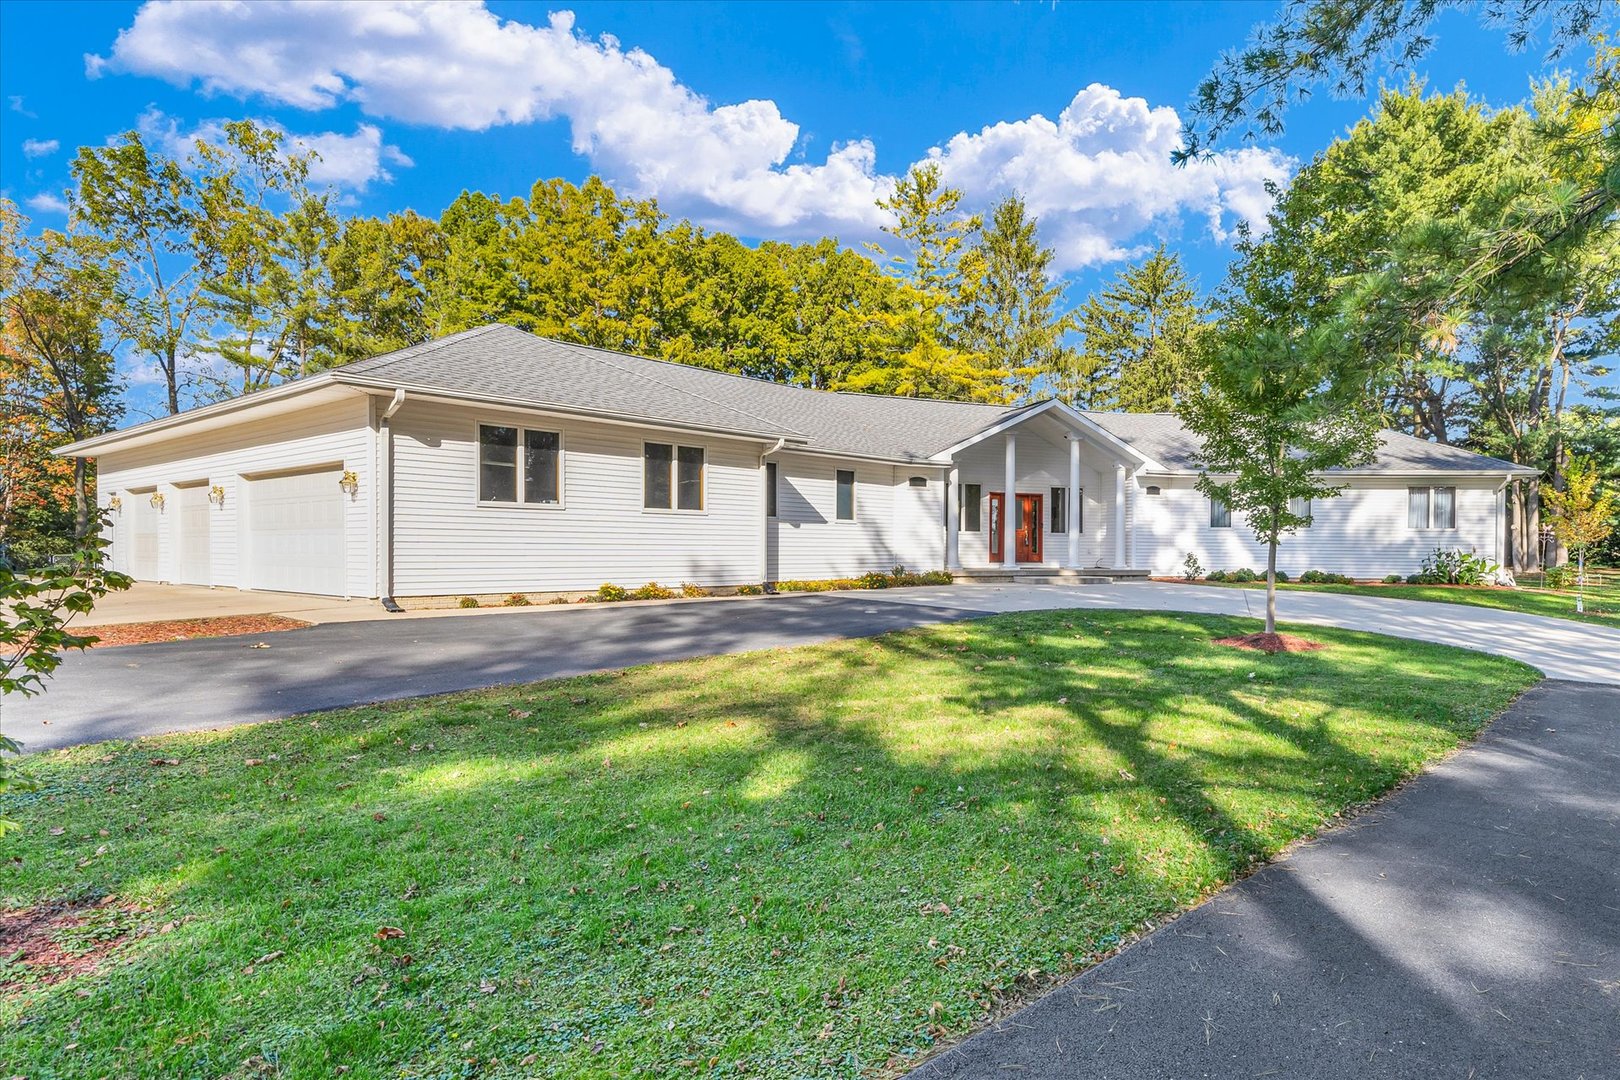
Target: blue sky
x=770, y=120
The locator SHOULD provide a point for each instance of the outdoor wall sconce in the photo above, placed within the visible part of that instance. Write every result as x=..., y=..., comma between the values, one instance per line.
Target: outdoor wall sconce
x=216, y=495
x=115, y=504
x=350, y=481
x=157, y=500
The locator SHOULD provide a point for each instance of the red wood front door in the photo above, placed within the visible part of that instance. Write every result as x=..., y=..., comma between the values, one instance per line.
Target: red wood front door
x=1028, y=536
x=1029, y=528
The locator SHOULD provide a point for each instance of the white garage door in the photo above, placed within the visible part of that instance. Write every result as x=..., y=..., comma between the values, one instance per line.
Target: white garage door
x=295, y=533
x=195, y=562
x=141, y=556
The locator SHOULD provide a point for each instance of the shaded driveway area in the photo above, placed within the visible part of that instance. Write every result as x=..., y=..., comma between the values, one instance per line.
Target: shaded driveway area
x=149, y=689
x=1469, y=926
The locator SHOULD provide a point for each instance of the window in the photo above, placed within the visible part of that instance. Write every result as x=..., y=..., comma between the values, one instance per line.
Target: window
x=846, y=495
x=1300, y=508
x=672, y=477
x=1431, y=508
x=542, y=472
x=538, y=482
x=1220, y=515
x=689, y=478
x=970, y=496
x=1060, y=510
x=770, y=489
x=497, y=464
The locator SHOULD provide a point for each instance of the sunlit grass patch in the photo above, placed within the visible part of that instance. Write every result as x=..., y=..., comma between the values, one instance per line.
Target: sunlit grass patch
x=801, y=862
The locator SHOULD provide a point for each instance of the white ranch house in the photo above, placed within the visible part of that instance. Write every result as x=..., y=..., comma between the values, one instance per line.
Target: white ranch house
x=494, y=462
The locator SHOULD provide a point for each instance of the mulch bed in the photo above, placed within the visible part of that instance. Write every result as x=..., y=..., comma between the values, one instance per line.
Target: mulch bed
x=1271, y=643
x=185, y=629
x=48, y=943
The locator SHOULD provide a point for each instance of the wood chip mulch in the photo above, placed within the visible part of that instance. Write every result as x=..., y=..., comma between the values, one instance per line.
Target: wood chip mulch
x=48, y=943
x=186, y=629
x=1271, y=643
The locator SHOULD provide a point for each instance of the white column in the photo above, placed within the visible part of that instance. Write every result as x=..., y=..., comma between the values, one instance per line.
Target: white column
x=1074, y=501
x=953, y=517
x=1009, y=504
x=1119, y=517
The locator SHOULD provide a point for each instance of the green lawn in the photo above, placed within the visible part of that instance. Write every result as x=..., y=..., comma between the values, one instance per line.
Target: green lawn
x=813, y=861
x=1602, y=601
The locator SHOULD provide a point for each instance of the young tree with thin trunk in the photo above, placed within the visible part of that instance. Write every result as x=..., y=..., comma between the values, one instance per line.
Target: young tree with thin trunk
x=1278, y=410
x=1583, y=514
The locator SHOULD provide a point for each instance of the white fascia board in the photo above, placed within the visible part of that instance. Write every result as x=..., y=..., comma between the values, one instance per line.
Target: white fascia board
x=1073, y=418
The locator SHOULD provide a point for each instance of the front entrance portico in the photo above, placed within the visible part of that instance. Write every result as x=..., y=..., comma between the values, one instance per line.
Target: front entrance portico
x=1069, y=497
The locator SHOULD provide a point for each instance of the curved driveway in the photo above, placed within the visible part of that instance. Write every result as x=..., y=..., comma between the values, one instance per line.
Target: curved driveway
x=149, y=689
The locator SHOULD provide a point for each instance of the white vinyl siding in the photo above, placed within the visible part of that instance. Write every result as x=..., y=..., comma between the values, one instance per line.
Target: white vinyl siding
x=894, y=524
x=1361, y=532
x=330, y=434
x=446, y=543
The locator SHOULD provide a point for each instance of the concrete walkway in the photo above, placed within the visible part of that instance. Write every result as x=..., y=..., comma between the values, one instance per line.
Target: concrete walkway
x=1469, y=926
x=149, y=689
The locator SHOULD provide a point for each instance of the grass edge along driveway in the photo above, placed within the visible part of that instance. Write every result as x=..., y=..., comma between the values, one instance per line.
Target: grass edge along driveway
x=1602, y=605
x=809, y=861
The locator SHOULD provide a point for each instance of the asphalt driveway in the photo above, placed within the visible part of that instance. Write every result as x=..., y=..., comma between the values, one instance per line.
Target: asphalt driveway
x=1469, y=926
x=149, y=689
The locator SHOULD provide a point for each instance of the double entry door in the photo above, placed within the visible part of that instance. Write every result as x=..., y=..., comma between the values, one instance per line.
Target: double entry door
x=1027, y=539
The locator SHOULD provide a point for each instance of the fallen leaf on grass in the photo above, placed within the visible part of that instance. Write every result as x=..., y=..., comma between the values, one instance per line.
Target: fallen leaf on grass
x=386, y=932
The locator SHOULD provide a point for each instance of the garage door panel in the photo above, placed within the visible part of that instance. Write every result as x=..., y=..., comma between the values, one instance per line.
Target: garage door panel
x=143, y=536
x=194, y=565
x=295, y=533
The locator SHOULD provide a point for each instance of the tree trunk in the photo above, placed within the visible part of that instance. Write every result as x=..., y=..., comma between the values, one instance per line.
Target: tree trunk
x=171, y=376
x=1271, y=587
x=81, y=505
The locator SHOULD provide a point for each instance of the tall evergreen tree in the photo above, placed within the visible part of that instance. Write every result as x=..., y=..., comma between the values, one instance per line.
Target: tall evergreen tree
x=1014, y=318
x=1139, y=339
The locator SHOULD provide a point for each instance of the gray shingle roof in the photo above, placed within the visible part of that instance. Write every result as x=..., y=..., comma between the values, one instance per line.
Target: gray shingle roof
x=504, y=363
x=1163, y=437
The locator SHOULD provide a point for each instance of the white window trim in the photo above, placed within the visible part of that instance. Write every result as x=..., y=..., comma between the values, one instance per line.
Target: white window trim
x=478, y=465
x=1431, y=527
x=854, y=498
x=675, y=446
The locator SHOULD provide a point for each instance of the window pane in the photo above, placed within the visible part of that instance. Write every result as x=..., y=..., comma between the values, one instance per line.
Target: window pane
x=1417, y=508
x=970, y=496
x=846, y=495
x=656, y=458
x=497, y=464
x=542, y=456
x=1220, y=515
x=690, y=478
x=1060, y=510
x=770, y=489
x=1300, y=507
x=1445, y=508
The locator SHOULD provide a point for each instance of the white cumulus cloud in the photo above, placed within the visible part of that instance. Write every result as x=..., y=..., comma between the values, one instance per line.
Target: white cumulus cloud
x=48, y=202
x=1099, y=175
x=350, y=162
x=35, y=148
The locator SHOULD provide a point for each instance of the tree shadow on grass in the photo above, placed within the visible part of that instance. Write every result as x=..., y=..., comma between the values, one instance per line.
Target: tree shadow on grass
x=802, y=861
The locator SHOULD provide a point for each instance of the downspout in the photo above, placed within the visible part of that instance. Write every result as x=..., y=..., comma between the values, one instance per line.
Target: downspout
x=765, y=520
x=385, y=497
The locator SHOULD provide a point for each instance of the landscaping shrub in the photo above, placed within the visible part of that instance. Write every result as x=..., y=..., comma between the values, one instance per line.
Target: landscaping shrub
x=517, y=599
x=874, y=580
x=1559, y=577
x=1392, y=579
x=1414, y=579
x=692, y=591
x=653, y=591
x=750, y=590
x=1217, y=575
x=1457, y=567
x=467, y=602
x=1191, y=568
x=1282, y=576
x=1245, y=574
x=1323, y=577
x=609, y=593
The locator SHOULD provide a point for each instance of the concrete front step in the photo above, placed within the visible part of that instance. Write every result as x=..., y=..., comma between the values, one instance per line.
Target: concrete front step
x=1047, y=575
